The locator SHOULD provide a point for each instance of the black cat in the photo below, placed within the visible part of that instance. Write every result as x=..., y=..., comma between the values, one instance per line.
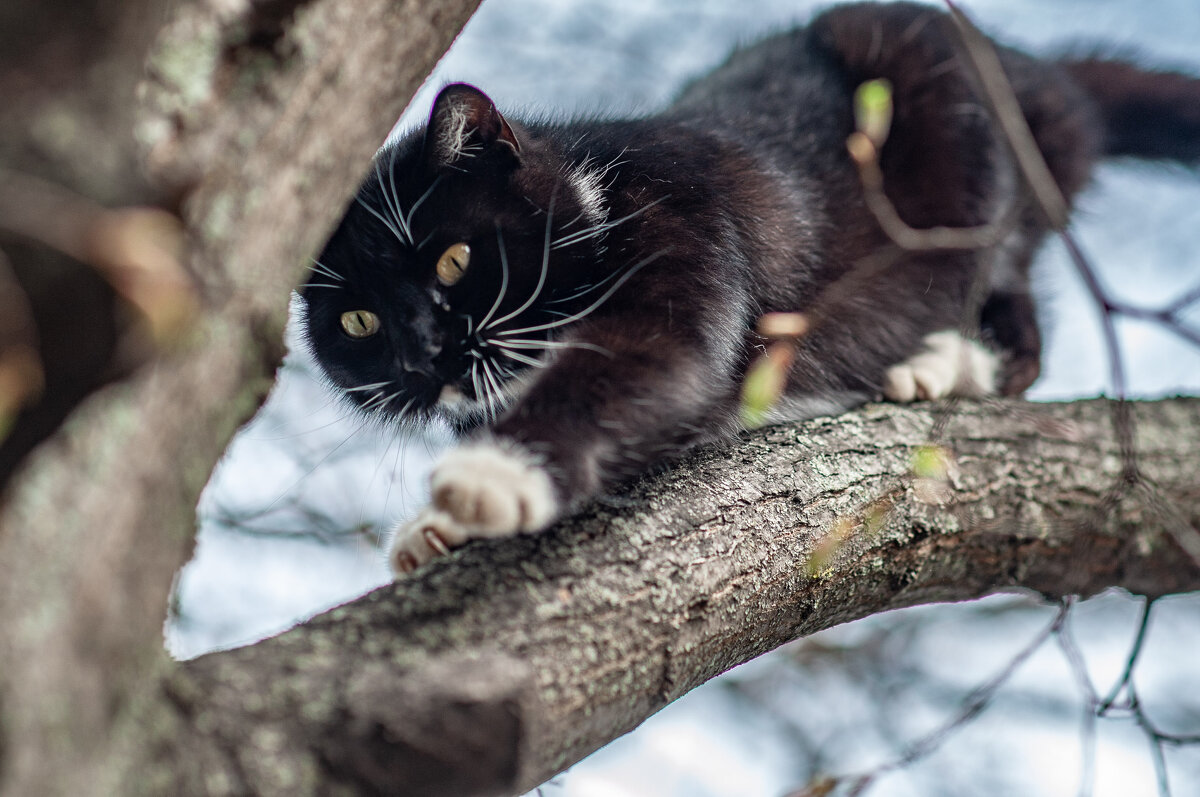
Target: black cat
x=579, y=299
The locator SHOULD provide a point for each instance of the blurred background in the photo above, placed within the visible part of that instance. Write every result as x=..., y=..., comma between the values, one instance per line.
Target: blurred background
x=291, y=521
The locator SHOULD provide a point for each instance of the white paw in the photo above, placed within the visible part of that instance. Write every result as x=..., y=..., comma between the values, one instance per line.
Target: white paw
x=479, y=490
x=950, y=365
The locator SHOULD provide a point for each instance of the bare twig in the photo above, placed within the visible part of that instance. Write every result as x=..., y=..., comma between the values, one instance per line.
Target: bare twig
x=972, y=707
x=865, y=155
x=1135, y=651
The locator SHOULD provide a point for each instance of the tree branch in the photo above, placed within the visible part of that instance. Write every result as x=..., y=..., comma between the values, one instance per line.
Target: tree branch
x=493, y=670
x=256, y=122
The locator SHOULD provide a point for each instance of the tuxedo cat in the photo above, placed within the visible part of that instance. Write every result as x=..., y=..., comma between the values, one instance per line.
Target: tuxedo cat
x=579, y=299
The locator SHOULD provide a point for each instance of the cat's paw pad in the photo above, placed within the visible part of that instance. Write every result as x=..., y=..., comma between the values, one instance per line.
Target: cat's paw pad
x=950, y=365
x=494, y=490
x=479, y=490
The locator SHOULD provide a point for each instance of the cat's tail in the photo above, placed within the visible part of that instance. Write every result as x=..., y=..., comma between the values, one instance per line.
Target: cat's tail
x=1146, y=113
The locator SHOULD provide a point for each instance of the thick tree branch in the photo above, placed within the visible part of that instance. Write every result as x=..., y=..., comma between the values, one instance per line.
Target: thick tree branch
x=495, y=669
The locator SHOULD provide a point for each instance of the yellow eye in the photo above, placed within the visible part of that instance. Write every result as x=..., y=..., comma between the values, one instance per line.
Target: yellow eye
x=360, y=323
x=453, y=264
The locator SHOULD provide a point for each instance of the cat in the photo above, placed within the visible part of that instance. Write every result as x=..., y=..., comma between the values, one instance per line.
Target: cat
x=579, y=299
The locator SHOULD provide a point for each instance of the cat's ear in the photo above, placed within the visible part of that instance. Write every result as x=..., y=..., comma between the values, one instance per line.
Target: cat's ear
x=465, y=124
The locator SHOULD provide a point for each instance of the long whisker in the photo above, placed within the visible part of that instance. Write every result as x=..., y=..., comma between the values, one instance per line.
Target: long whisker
x=592, y=307
x=322, y=285
x=551, y=344
x=362, y=388
x=326, y=271
x=383, y=404
x=395, y=223
x=417, y=204
x=541, y=279
x=494, y=396
x=503, y=370
x=384, y=221
x=503, y=279
x=319, y=463
x=521, y=358
x=475, y=381
x=600, y=229
x=586, y=290
x=373, y=402
x=396, y=198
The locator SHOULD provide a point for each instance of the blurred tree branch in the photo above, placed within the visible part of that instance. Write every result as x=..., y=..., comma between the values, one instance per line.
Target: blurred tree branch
x=250, y=121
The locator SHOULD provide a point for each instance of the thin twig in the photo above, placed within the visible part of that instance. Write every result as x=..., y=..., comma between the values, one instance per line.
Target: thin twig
x=1138, y=642
x=973, y=706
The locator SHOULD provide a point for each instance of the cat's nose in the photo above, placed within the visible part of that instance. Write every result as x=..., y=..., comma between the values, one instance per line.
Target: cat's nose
x=420, y=360
x=423, y=367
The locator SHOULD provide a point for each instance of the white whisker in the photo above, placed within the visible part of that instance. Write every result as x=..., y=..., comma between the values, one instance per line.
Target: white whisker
x=382, y=405
x=370, y=403
x=495, y=396
x=551, y=344
x=326, y=271
x=475, y=381
x=592, y=307
x=321, y=285
x=396, y=223
x=541, y=279
x=361, y=388
x=503, y=279
x=521, y=358
x=417, y=204
x=600, y=229
x=385, y=222
x=395, y=203
x=586, y=290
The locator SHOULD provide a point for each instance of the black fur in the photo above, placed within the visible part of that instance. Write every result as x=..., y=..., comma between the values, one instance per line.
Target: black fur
x=737, y=200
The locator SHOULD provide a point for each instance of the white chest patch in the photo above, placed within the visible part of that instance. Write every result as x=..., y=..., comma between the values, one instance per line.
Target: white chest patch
x=951, y=365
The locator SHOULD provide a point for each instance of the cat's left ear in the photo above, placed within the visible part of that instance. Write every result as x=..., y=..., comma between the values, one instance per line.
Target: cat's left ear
x=465, y=124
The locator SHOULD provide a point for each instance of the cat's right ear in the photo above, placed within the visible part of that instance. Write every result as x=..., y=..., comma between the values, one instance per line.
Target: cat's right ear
x=465, y=124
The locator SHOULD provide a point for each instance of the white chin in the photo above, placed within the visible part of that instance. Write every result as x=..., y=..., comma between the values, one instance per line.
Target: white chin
x=450, y=397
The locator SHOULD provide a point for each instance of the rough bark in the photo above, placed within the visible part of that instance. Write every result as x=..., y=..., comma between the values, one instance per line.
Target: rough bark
x=254, y=122
x=493, y=670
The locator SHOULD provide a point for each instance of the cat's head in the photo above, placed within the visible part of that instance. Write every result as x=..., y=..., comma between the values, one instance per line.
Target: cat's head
x=453, y=266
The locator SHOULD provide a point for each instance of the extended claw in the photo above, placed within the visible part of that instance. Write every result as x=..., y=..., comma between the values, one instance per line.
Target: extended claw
x=435, y=541
x=403, y=562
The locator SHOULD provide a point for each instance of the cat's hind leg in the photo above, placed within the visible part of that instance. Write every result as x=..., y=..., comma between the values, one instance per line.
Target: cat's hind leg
x=949, y=365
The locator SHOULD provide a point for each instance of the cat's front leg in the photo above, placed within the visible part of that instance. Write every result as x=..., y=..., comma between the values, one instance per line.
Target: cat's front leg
x=596, y=415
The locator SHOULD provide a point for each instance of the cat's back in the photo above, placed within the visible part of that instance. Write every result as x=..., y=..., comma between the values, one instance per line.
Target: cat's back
x=783, y=93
